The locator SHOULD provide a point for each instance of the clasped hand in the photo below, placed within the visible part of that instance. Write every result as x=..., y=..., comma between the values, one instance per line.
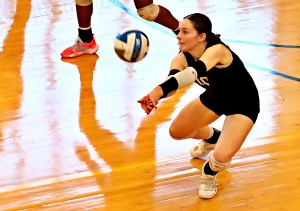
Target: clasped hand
x=150, y=101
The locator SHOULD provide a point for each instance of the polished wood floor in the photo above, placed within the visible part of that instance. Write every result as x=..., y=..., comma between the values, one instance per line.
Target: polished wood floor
x=73, y=137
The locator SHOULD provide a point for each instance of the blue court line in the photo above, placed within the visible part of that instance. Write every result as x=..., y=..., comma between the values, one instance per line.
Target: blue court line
x=169, y=32
x=261, y=44
x=271, y=71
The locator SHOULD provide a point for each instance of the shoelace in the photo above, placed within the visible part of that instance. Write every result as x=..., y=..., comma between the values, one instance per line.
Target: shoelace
x=210, y=182
x=207, y=146
x=75, y=44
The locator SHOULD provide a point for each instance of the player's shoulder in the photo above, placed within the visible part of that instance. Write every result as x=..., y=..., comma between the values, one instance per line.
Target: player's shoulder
x=179, y=61
x=180, y=55
x=216, y=47
x=217, y=50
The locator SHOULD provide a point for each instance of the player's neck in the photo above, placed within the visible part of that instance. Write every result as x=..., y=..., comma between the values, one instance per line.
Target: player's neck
x=198, y=50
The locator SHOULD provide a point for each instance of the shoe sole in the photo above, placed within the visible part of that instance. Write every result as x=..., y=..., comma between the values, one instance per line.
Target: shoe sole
x=207, y=197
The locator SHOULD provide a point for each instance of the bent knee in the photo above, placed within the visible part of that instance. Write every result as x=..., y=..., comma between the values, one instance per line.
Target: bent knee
x=216, y=165
x=174, y=131
x=177, y=134
x=149, y=12
x=223, y=156
x=83, y=2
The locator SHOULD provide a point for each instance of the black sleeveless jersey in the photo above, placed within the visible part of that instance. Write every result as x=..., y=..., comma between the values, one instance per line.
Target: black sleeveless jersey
x=225, y=80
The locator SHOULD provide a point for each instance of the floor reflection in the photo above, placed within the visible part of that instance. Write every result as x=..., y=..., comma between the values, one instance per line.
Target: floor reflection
x=11, y=91
x=114, y=152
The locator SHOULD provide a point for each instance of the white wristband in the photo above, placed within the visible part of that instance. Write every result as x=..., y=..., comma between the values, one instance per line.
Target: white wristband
x=186, y=77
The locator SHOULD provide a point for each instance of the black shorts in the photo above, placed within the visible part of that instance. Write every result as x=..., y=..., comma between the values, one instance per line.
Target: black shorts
x=233, y=102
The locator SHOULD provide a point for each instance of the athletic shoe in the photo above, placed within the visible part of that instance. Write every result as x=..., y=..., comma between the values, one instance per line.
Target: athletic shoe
x=208, y=185
x=80, y=48
x=205, y=146
x=202, y=149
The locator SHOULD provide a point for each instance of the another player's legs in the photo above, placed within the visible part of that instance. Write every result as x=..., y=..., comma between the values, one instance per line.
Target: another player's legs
x=159, y=14
x=85, y=43
x=234, y=132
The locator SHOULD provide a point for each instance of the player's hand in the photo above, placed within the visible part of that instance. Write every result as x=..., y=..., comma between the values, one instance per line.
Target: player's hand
x=146, y=104
x=155, y=95
x=150, y=101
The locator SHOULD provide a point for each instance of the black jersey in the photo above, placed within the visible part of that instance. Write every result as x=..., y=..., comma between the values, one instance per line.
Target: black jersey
x=229, y=90
x=221, y=81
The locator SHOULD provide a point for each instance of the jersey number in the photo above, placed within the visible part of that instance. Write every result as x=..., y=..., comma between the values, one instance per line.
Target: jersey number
x=203, y=81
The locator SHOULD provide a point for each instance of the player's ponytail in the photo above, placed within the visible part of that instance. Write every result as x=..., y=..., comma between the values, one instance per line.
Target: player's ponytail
x=212, y=39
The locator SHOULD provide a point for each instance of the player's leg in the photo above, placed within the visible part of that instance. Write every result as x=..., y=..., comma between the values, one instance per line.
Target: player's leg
x=85, y=43
x=193, y=121
x=84, y=16
x=157, y=13
x=234, y=132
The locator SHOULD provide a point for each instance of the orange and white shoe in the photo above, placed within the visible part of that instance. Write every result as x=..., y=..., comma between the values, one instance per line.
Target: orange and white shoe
x=80, y=48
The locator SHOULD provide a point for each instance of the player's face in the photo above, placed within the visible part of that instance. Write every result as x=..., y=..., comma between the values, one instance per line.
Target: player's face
x=188, y=37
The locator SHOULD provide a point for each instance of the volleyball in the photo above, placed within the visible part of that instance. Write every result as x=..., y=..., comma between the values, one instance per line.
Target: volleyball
x=131, y=45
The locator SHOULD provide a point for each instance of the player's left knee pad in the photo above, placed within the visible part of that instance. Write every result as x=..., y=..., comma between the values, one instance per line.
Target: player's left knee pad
x=217, y=166
x=192, y=135
x=149, y=12
x=83, y=2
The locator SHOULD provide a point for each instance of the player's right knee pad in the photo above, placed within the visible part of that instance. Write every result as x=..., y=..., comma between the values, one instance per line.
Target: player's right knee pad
x=83, y=2
x=149, y=12
x=217, y=166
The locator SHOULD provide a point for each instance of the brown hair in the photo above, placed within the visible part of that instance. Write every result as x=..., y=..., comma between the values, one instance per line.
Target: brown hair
x=202, y=24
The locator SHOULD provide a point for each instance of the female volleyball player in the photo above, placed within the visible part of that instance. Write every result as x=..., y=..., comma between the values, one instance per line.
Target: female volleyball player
x=86, y=43
x=229, y=90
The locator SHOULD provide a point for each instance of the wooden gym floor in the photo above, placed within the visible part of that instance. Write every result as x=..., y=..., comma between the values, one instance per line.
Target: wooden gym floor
x=73, y=137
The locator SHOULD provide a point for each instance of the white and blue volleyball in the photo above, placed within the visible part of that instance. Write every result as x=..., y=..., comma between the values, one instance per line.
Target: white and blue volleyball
x=131, y=45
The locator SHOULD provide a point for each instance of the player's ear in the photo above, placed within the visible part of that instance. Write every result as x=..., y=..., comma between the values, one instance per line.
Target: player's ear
x=201, y=37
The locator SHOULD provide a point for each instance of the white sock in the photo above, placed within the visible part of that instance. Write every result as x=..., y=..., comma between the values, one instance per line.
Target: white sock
x=87, y=28
x=211, y=132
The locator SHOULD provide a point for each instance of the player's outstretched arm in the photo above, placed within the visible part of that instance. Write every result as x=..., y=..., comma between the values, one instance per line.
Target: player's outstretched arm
x=151, y=100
